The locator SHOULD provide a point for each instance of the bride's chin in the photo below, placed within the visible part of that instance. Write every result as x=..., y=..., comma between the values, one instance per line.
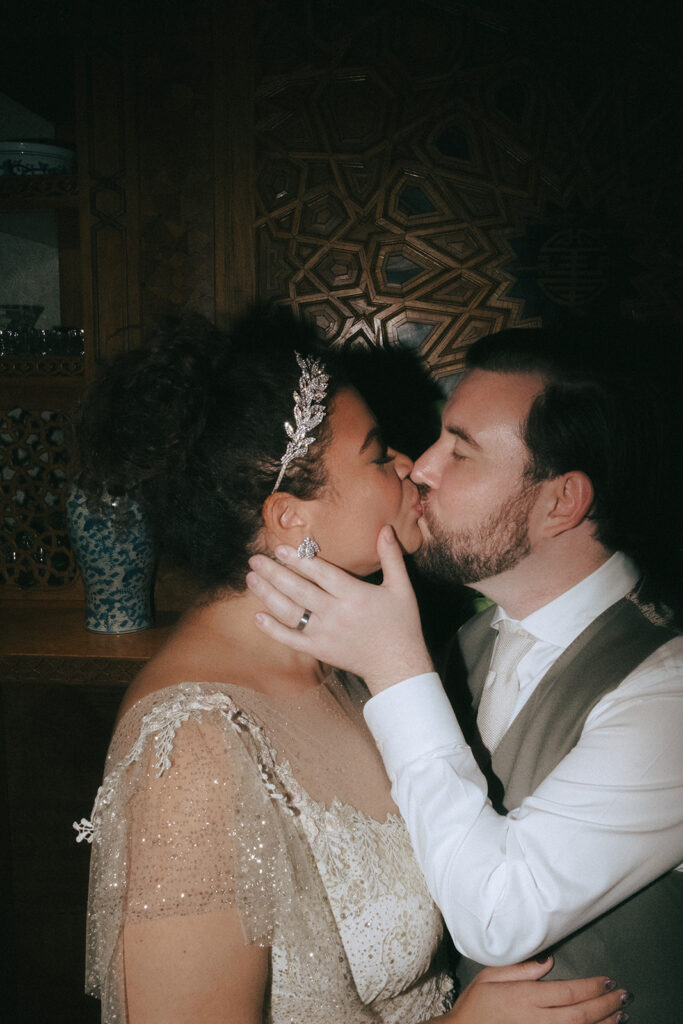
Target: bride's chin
x=423, y=527
x=412, y=543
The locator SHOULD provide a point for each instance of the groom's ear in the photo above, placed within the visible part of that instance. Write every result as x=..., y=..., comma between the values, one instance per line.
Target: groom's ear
x=569, y=499
x=284, y=518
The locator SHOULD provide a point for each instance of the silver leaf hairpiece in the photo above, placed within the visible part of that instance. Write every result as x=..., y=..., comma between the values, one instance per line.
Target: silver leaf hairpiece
x=308, y=411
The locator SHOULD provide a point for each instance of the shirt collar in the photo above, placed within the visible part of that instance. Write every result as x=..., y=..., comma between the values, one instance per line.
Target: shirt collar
x=561, y=621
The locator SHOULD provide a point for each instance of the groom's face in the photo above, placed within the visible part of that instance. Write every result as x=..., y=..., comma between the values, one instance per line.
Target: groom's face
x=478, y=501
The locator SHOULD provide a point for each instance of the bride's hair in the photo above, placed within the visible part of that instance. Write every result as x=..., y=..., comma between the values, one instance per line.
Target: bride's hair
x=192, y=426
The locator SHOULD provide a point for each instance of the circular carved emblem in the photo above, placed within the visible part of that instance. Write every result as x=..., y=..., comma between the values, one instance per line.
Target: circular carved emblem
x=572, y=267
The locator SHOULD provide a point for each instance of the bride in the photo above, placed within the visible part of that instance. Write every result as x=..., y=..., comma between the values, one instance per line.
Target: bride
x=248, y=863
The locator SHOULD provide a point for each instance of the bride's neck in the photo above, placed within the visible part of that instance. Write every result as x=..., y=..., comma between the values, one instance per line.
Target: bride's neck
x=228, y=623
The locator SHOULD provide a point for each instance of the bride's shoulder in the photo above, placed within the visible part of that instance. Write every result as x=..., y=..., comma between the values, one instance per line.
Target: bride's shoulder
x=169, y=687
x=188, y=656
x=160, y=676
x=189, y=692
x=184, y=718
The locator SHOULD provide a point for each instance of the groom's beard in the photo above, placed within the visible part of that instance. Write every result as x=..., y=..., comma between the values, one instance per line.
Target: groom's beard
x=497, y=545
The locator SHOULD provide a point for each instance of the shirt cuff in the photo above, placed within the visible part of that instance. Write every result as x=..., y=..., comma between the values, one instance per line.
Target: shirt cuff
x=411, y=719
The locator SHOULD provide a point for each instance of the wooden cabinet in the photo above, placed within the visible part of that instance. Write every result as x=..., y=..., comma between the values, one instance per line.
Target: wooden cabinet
x=155, y=222
x=96, y=216
x=59, y=694
x=41, y=374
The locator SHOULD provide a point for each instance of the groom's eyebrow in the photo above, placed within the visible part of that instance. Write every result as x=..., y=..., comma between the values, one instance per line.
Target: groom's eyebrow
x=375, y=434
x=463, y=435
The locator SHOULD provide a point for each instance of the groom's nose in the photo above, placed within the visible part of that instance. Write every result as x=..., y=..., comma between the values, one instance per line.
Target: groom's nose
x=425, y=471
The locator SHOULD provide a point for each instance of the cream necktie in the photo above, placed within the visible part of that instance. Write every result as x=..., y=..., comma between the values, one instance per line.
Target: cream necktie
x=500, y=693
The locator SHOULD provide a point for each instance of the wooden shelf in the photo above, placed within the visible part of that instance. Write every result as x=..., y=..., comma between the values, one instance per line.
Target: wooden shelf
x=38, y=191
x=57, y=632
x=49, y=643
x=40, y=392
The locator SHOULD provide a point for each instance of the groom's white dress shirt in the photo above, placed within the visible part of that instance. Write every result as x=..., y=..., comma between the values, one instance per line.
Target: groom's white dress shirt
x=606, y=821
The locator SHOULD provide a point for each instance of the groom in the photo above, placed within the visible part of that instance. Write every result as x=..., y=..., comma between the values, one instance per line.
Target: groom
x=543, y=491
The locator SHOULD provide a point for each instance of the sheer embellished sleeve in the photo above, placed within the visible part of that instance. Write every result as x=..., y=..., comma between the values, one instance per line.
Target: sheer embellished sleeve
x=192, y=818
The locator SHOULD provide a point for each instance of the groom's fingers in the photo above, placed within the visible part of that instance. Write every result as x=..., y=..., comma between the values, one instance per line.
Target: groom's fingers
x=280, y=587
x=394, y=572
x=328, y=577
x=283, y=608
x=292, y=638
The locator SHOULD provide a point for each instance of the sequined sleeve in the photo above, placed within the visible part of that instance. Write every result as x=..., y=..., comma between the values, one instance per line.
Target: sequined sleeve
x=191, y=818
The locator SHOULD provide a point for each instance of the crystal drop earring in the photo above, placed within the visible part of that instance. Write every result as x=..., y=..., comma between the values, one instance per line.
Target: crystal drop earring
x=308, y=548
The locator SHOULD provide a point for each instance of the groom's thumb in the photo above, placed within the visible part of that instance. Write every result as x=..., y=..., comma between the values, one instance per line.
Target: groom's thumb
x=391, y=558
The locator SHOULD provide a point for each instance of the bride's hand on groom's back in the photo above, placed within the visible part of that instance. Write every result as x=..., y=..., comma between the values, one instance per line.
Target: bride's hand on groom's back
x=512, y=995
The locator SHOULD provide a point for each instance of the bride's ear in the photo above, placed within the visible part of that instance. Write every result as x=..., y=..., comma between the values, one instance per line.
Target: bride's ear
x=284, y=518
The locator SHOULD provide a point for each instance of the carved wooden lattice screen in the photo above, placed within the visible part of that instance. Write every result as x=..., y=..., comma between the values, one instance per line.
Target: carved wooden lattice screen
x=385, y=194
x=35, y=546
x=429, y=172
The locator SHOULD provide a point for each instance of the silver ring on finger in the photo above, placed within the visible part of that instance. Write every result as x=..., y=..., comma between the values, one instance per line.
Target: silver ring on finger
x=303, y=621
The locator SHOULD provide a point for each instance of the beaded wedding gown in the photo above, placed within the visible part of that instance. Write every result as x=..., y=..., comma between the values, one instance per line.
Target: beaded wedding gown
x=215, y=795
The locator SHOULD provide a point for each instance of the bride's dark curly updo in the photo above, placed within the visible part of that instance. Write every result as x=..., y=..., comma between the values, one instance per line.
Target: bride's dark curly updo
x=192, y=426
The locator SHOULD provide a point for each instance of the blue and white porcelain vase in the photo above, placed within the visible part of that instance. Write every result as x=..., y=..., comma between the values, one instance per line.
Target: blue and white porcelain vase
x=116, y=557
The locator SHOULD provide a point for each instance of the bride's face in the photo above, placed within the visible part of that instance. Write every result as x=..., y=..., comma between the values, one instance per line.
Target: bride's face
x=367, y=486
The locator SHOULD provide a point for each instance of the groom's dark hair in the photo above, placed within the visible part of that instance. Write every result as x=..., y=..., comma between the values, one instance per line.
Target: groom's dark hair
x=609, y=410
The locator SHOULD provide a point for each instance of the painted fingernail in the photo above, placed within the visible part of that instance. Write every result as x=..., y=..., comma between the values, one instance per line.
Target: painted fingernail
x=622, y=1018
x=627, y=998
x=610, y=985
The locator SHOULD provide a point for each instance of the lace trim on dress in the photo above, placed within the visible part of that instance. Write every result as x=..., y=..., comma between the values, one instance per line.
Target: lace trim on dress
x=162, y=723
x=385, y=915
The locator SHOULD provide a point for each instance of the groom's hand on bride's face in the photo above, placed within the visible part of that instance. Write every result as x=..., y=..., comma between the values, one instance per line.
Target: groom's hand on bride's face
x=373, y=631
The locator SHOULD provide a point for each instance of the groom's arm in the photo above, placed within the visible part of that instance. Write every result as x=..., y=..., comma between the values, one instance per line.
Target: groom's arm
x=605, y=823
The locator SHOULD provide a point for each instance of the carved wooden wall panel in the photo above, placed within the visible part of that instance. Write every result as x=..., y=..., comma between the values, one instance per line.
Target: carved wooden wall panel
x=430, y=172
x=148, y=139
x=109, y=193
x=175, y=138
